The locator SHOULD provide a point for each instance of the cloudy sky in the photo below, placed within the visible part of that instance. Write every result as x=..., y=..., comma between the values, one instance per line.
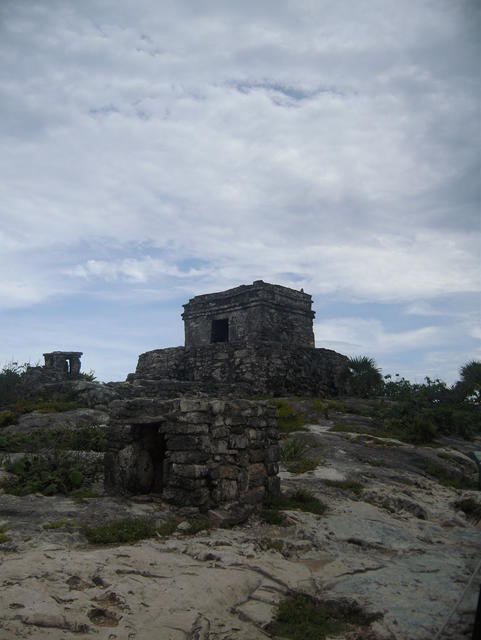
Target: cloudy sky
x=154, y=150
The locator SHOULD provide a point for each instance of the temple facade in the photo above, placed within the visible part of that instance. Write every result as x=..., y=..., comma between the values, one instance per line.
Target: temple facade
x=254, y=339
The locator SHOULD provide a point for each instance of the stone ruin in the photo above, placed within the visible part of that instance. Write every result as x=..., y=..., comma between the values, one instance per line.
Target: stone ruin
x=183, y=426
x=251, y=340
x=63, y=361
x=195, y=452
x=173, y=436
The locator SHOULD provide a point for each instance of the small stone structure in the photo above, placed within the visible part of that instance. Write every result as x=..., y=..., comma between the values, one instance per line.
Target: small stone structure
x=250, y=314
x=63, y=361
x=195, y=452
x=254, y=339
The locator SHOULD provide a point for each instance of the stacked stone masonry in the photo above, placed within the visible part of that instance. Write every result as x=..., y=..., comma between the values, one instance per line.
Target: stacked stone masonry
x=199, y=452
x=250, y=314
x=255, y=340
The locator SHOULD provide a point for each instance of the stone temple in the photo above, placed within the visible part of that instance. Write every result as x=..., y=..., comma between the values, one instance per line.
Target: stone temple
x=188, y=425
x=254, y=339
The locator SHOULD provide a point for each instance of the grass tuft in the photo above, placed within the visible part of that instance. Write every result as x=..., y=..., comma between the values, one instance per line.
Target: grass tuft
x=347, y=485
x=301, y=500
x=288, y=419
x=293, y=456
x=120, y=531
x=447, y=479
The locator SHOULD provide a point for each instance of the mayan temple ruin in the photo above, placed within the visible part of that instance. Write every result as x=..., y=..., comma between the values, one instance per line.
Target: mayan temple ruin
x=254, y=339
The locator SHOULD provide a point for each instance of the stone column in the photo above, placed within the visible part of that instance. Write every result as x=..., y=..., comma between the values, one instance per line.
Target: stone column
x=74, y=365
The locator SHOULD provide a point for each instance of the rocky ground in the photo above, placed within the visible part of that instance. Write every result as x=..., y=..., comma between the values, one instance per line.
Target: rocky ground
x=394, y=543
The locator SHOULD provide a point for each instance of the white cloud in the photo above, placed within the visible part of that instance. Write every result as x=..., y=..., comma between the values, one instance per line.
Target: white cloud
x=294, y=142
x=362, y=336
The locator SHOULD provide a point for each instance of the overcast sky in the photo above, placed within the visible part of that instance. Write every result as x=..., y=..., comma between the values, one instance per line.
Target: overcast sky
x=154, y=150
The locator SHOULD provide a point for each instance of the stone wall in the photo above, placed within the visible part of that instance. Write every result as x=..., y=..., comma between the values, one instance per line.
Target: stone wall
x=264, y=369
x=257, y=312
x=199, y=452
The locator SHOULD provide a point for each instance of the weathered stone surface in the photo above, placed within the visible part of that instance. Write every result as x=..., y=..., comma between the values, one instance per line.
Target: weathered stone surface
x=168, y=456
x=255, y=339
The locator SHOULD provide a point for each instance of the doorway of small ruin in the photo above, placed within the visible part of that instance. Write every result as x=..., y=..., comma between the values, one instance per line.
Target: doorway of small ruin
x=220, y=330
x=153, y=443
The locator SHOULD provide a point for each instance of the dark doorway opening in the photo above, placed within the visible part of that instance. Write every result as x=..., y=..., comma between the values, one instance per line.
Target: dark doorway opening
x=153, y=443
x=220, y=330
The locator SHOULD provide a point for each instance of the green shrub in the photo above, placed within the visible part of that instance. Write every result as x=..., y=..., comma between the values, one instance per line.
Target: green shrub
x=272, y=516
x=168, y=527
x=288, y=419
x=361, y=377
x=199, y=523
x=4, y=537
x=88, y=377
x=120, y=531
x=301, y=500
x=85, y=438
x=10, y=382
x=292, y=449
x=301, y=617
x=55, y=472
x=319, y=408
x=293, y=456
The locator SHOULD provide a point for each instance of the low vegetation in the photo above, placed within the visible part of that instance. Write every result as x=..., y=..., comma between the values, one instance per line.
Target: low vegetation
x=294, y=456
x=129, y=530
x=417, y=413
x=55, y=472
x=120, y=531
x=54, y=461
x=471, y=507
x=85, y=438
x=301, y=500
x=4, y=537
x=289, y=419
x=346, y=485
x=448, y=479
x=301, y=617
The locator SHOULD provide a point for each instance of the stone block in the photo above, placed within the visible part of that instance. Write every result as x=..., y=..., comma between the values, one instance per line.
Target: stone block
x=237, y=442
x=228, y=472
x=272, y=468
x=187, y=405
x=193, y=417
x=226, y=491
x=219, y=432
x=218, y=408
x=257, y=455
x=273, y=453
x=181, y=482
x=188, y=457
x=273, y=486
x=255, y=495
x=184, y=428
x=190, y=470
x=188, y=443
x=257, y=474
